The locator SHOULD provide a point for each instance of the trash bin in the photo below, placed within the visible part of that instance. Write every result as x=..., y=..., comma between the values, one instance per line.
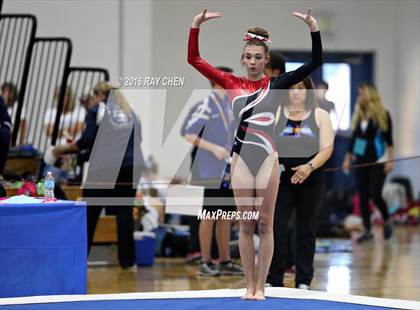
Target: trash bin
x=145, y=247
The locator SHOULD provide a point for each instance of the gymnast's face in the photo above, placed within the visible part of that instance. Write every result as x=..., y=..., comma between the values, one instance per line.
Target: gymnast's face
x=297, y=94
x=254, y=59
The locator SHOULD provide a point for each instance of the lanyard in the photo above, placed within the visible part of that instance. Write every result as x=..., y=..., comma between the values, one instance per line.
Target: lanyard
x=222, y=115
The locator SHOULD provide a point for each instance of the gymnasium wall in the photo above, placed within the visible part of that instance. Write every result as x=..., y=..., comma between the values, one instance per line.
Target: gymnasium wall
x=149, y=38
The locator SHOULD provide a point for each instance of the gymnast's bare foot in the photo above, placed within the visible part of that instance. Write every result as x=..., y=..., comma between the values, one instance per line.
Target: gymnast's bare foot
x=249, y=294
x=259, y=295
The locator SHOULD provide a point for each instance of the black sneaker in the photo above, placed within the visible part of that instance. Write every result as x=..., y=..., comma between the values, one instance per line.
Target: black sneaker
x=270, y=283
x=207, y=269
x=365, y=237
x=230, y=268
x=387, y=229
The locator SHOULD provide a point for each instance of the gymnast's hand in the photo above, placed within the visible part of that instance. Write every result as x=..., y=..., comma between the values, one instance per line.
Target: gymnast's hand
x=301, y=174
x=308, y=19
x=203, y=17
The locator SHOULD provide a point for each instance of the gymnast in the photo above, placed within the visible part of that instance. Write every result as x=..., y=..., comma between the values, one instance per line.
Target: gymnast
x=255, y=168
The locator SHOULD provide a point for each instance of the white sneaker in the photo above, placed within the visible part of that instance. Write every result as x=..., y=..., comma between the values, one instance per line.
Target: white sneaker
x=303, y=287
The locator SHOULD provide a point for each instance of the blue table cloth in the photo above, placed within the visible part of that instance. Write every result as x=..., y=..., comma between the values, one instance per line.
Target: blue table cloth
x=43, y=249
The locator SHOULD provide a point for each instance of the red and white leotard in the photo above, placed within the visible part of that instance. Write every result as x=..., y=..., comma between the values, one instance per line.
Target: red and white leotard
x=254, y=107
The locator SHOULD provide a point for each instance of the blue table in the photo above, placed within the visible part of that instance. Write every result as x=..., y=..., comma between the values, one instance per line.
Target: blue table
x=43, y=249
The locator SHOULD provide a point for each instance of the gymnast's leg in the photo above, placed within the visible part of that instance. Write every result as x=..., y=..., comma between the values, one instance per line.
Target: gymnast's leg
x=267, y=182
x=244, y=192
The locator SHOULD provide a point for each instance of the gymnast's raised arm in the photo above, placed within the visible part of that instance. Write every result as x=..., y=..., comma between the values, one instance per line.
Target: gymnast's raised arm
x=219, y=77
x=303, y=71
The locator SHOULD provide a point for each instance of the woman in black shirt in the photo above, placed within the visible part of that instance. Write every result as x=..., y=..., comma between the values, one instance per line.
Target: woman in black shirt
x=304, y=138
x=371, y=140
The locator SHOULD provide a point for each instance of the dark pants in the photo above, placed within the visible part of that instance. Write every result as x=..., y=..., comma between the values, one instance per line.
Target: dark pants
x=306, y=198
x=4, y=147
x=194, y=245
x=291, y=241
x=370, y=181
x=125, y=224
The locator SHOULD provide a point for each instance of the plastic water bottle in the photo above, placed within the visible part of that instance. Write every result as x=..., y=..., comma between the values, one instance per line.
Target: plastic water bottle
x=226, y=175
x=49, y=187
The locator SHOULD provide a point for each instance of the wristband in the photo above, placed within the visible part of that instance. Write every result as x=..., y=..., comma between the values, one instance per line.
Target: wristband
x=311, y=165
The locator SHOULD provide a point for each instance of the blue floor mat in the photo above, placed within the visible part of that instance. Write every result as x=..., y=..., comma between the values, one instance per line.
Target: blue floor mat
x=231, y=303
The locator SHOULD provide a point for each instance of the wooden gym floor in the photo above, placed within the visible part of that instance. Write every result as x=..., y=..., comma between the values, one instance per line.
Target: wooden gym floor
x=377, y=269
